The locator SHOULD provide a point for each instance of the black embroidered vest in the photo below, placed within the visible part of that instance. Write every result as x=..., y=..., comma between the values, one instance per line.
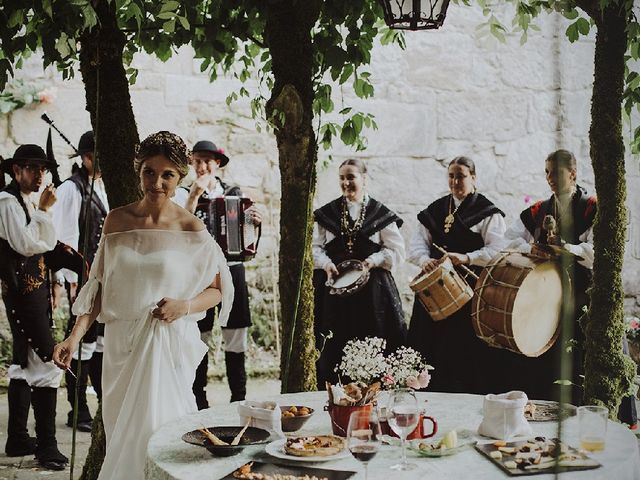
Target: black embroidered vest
x=97, y=214
x=25, y=289
x=377, y=217
x=583, y=212
x=460, y=238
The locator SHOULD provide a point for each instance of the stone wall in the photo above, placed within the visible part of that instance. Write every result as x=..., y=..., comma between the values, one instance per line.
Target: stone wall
x=449, y=93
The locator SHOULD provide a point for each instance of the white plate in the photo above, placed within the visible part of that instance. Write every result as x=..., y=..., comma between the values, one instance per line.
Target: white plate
x=276, y=449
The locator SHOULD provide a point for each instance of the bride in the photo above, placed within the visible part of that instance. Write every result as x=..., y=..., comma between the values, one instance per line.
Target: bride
x=156, y=272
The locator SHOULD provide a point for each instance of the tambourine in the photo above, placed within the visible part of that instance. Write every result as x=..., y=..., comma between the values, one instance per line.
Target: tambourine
x=352, y=276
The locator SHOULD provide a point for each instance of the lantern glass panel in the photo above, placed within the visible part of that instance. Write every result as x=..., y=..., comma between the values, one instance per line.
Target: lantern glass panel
x=415, y=14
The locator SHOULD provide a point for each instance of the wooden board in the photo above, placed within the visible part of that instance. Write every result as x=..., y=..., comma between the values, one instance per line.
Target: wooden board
x=271, y=468
x=579, y=460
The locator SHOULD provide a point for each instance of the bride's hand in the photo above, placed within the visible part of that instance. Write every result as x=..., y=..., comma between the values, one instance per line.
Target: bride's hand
x=63, y=351
x=170, y=309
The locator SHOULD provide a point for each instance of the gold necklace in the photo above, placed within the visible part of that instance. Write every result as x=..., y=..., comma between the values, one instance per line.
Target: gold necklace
x=449, y=219
x=348, y=231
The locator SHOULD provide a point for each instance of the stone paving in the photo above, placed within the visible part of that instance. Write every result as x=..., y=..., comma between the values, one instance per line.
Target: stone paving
x=26, y=468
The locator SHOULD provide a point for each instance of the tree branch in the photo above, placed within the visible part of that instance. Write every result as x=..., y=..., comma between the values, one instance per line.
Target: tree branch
x=590, y=7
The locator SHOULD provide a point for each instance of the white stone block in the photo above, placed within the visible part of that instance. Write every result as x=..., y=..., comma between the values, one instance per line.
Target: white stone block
x=481, y=115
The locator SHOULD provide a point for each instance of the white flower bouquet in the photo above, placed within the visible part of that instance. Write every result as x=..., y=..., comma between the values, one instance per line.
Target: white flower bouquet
x=406, y=368
x=367, y=368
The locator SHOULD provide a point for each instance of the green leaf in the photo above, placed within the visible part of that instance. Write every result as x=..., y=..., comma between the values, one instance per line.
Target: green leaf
x=346, y=73
x=570, y=14
x=90, y=17
x=583, y=26
x=184, y=22
x=169, y=26
x=572, y=33
x=62, y=45
x=15, y=18
x=348, y=134
x=133, y=77
x=166, y=15
x=170, y=5
x=46, y=6
x=357, y=122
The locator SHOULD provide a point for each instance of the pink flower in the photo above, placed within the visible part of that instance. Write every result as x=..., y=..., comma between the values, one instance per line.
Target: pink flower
x=634, y=323
x=388, y=379
x=412, y=382
x=527, y=198
x=48, y=95
x=424, y=378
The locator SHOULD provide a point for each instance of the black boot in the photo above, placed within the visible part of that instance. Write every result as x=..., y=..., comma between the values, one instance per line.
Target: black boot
x=19, y=443
x=236, y=375
x=84, y=415
x=200, y=383
x=44, y=409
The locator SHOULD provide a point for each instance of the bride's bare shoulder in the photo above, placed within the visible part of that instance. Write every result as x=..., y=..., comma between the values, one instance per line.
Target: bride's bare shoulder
x=188, y=221
x=119, y=219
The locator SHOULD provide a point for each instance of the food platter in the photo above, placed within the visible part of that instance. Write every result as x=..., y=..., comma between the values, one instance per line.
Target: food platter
x=297, y=471
x=277, y=449
x=434, y=449
x=535, y=456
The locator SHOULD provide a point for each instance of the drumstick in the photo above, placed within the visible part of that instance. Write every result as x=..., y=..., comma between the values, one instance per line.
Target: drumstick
x=464, y=267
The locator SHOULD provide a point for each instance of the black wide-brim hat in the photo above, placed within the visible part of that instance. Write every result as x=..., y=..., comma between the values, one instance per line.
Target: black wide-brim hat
x=85, y=145
x=207, y=146
x=28, y=153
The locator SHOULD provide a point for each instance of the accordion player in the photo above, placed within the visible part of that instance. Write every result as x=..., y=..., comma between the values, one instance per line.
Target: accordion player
x=234, y=231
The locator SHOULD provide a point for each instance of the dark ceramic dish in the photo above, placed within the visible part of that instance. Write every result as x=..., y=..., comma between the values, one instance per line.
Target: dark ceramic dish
x=252, y=436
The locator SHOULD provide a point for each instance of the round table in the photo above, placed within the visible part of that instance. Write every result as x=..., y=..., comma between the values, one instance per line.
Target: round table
x=168, y=457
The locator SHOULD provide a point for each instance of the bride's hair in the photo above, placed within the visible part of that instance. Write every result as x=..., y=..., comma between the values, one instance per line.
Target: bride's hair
x=167, y=144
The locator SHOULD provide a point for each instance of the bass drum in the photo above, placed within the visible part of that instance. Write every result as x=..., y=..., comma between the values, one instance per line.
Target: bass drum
x=517, y=304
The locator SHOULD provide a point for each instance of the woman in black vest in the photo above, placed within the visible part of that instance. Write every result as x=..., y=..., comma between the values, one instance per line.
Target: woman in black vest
x=355, y=226
x=470, y=228
x=573, y=212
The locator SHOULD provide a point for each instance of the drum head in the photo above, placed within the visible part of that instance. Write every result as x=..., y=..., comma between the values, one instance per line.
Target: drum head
x=536, y=311
x=347, y=278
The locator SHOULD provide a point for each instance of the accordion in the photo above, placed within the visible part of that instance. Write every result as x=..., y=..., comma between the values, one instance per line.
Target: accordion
x=226, y=221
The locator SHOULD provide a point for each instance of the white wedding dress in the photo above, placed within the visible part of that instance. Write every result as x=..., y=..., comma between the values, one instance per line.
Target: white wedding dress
x=148, y=365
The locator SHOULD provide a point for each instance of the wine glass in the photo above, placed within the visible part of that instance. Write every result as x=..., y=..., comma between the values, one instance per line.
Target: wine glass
x=403, y=416
x=364, y=436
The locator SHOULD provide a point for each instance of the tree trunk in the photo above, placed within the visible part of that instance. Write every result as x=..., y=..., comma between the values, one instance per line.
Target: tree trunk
x=608, y=372
x=109, y=104
x=288, y=33
x=116, y=134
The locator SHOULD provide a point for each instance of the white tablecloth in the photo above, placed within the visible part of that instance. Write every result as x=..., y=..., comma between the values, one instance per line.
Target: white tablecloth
x=168, y=457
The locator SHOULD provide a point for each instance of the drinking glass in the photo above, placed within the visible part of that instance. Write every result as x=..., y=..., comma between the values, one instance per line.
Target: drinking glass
x=364, y=436
x=403, y=415
x=593, y=427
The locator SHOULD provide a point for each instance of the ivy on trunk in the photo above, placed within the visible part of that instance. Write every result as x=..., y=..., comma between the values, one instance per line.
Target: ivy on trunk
x=116, y=133
x=290, y=109
x=608, y=372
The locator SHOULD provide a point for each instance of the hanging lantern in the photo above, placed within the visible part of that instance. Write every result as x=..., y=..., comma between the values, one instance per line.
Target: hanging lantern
x=414, y=14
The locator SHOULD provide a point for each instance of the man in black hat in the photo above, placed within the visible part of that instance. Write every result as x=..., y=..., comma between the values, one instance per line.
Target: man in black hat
x=207, y=159
x=26, y=233
x=75, y=202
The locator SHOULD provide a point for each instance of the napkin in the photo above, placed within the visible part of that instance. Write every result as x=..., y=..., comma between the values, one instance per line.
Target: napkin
x=503, y=416
x=265, y=415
